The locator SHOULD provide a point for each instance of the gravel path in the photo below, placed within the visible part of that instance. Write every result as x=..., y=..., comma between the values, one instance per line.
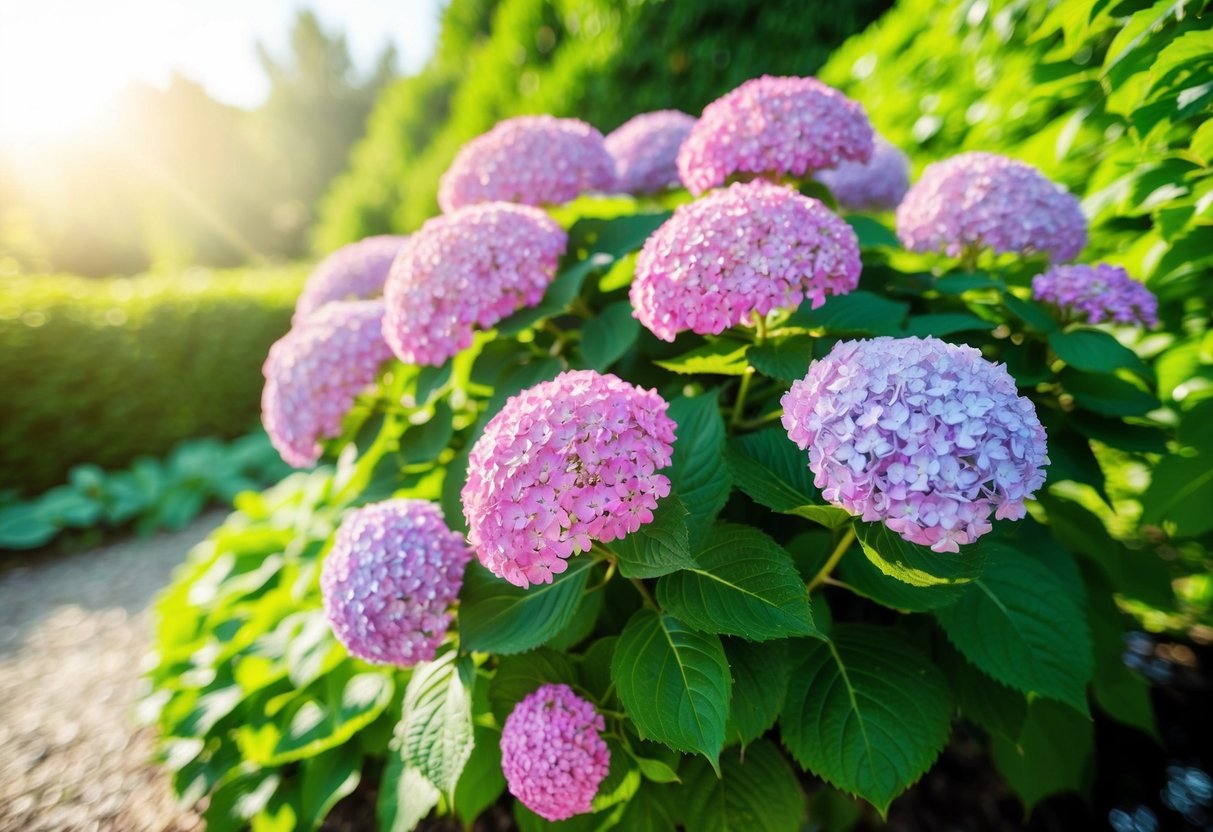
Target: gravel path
x=74, y=632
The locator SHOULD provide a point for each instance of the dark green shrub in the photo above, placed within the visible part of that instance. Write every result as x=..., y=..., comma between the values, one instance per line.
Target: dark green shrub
x=103, y=371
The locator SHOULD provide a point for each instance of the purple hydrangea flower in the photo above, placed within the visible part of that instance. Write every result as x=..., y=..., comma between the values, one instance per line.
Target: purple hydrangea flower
x=551, y=753
x=928, y=437
x=752, y=247
x=645, y=150
x=983, y=200
x=313, y=373
x=772, y=127
x=394, y=570
x=469, y=268
x=1098, y=293
x=353, y=272
x=532, y=160
x=565, y=462
x=877, y=185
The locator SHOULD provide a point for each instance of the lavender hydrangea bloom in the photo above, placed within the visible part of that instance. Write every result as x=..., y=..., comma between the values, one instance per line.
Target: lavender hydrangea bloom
x=983, y=200
x=877, y=185
x=645, y=149
x=752, y=247
x=466, y=269
x=353, y=272
x=565, y=462
x=928, y=437
x=551, y=753
x=772, y=127
x=313, y=373
x=394, y=570
x=532, y=160
x=1098, y=293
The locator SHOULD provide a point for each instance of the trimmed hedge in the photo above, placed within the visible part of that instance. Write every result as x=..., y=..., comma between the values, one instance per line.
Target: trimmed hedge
x=103, y=371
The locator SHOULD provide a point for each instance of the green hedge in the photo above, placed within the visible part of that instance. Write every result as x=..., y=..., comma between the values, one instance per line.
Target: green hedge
x=103, y=371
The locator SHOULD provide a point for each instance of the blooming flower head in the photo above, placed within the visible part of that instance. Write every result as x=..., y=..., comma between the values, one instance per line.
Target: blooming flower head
x=532, y=160
x=1098, y=293
x=353, y=272
x=565, y=462
x=645, y=150
x=551, y=753
x=469, y=268
x=393, y=571
x=313, y=373
x=877, y=185
x=983, y=200
x=751, y=247
x=770, y=127
x=928, y=437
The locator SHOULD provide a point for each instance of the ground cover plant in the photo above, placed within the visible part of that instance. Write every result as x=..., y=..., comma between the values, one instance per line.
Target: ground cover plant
x=649, y=518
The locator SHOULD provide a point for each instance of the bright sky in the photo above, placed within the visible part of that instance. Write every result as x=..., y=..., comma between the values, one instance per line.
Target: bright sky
x=61, y=59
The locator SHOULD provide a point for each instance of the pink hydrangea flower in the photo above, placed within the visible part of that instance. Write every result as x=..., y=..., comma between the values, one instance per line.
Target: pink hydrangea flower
x=983, y=200
x=645, y=150
x=551, y=753
x=925, y=436
x=532, y=160
x=772, y=127
x=393, y=572
x=1098, y=293
x=877, y=185
x=353, y=272
x=313, y=373
x=466, y=269
x=565, y=462
x=751, y=247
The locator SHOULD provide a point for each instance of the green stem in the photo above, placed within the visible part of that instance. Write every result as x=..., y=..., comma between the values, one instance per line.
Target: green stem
x=835, y=556
x=742, y=392
x=757, y=422
x=606, y=578
x=644, y=593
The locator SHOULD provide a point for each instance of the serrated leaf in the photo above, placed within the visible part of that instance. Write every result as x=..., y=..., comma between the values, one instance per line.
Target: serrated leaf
x=657, y=548
x=326, y=779
x=1180, y=493
x=652, y=809
x=917, y=565
x=722, y=357
x=405, y=797
x=768, y=467
x=315, y=725
x=1022, y=622
x=757, y=790
x=497, y=617
x=519, y=676
x=1106, y=394
x=1121, y=692
x=863, y=577
x=698, y=474
x=1095, y=351
x=655, y=770
x=760, y=679
x=435, y=729
x=674, y=683
x=1035, y=315
x=866, y=711
x=1053, y=753
x=482, y=781
x=946, y=323
x=858, y=312
x=786, y=359
x=742, y=583
x=607, y=337
x=988, y=703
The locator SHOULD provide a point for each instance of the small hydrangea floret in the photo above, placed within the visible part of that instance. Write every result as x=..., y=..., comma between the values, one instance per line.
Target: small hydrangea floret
x=978, y=201
x=925, y=436
x=532, y=160
x=387, y=585
x=314, y=372
x=566, y=462
x=1097, y=294
x=773, y=127
x=876, y=185
x=750, y=248
x=467, y=269
x=353, y=272
x=645, y=150
x=552, y=754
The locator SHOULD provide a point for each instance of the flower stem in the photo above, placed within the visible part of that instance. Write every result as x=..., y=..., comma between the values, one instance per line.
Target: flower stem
x=843, y=544
x=606, y=578
x=747, y=424
x=644, y=593
x=739, y=402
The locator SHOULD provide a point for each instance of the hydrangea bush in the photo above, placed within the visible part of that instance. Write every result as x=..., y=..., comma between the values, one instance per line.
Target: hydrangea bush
x=674, y=519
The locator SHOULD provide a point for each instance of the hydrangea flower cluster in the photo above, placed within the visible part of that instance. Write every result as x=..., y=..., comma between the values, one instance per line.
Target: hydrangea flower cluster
x=752, y=247
x=565, y=462
x=877, y=185
x=313, y=373
x=533, y=160
x=470, y=268
x=353, y=272
x=772, y=126
x=645, y=149
x=1097, y=293
x=983, y=200
x=393, y=571
x=551, y=753
x=926, y=436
